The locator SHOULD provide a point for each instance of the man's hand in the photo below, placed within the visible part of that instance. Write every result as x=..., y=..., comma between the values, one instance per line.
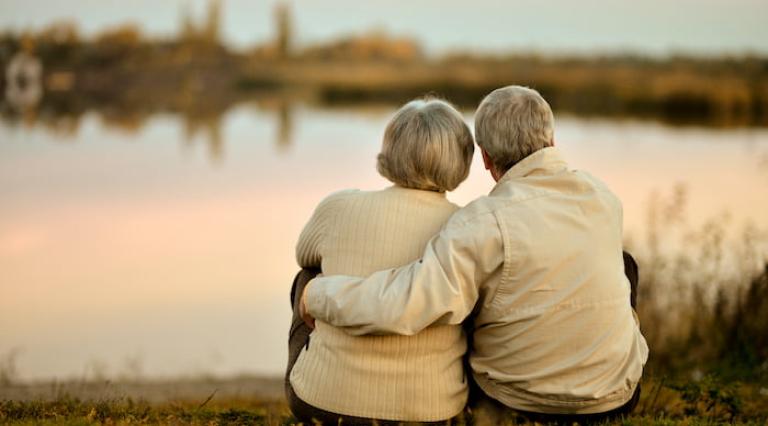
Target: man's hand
x=303, y=309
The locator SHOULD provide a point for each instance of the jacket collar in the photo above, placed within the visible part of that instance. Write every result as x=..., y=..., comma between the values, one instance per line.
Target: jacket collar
x=544, y=161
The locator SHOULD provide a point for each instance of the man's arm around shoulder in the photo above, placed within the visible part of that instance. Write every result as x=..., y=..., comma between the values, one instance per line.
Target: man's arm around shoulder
x=440, y=288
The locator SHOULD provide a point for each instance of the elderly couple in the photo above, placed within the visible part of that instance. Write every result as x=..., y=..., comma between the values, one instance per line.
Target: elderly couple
x=520, y=303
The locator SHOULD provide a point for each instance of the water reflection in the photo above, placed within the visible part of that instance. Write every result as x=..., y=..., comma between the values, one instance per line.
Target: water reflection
x=65, y=119
x=23, y=82
x=285, y=126
x=210, y=129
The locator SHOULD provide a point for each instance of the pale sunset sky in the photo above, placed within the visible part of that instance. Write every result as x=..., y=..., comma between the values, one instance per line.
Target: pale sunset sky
x=653, y=27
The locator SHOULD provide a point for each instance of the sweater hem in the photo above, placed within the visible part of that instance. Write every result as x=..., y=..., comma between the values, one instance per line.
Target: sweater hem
x=381, y=416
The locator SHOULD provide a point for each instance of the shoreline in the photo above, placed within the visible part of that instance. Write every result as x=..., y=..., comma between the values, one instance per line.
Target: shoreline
x=151, y=390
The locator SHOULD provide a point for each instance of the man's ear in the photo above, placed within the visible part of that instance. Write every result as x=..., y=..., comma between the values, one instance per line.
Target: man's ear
x=486, y=160
x=489, y=165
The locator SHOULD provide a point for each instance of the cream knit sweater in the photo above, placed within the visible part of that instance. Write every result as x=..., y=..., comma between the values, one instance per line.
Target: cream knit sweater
x=408, y=378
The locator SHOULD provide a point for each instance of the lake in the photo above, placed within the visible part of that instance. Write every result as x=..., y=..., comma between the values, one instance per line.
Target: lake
x=165, y=248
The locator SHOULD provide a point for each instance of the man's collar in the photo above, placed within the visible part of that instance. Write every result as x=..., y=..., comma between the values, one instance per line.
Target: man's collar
x=545, y=160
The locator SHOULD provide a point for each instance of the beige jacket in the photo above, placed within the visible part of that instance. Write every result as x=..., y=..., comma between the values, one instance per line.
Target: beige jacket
x=539, y=262
x=409, y=378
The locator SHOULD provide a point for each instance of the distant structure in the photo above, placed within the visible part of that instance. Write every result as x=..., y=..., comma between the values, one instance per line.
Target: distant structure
x=284, y=33
x=188, y=29
x=208, y=32
x=212, y=30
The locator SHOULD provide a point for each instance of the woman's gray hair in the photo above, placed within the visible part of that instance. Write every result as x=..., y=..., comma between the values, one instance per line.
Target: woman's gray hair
x=427, y=145
x=512, y=123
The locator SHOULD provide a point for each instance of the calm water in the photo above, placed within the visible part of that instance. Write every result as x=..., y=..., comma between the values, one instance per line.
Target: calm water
x=165, y=252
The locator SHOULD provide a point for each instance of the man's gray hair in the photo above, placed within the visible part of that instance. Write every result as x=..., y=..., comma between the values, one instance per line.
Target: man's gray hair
x=512, y=123
x=427, y=145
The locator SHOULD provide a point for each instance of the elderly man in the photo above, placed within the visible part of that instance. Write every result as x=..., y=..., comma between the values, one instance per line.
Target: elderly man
x=536, y=268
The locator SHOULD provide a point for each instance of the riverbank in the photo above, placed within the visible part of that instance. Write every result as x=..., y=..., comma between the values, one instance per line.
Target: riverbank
x=153, y=391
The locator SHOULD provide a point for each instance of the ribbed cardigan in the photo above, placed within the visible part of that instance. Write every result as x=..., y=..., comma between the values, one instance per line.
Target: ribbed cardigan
x=405, y=378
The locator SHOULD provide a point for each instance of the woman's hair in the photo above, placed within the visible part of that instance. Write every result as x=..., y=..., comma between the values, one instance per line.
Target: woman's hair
x=512, y=123
x=426, y=146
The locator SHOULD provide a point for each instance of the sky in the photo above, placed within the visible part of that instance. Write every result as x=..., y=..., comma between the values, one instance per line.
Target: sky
x=653, y=27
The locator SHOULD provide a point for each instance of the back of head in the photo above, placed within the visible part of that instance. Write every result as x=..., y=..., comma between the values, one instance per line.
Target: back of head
x=427, y=145
x=512, y=123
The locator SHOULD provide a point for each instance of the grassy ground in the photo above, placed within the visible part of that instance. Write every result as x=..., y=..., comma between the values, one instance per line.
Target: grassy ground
x=700, y=401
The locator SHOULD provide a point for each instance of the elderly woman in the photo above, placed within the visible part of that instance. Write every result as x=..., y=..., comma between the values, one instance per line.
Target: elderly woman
x=426, y=151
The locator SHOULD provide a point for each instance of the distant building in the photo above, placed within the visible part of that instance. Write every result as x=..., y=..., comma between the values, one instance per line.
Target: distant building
x=284, y=33
x=212, y=29
x=188, y=28
x=208, y=32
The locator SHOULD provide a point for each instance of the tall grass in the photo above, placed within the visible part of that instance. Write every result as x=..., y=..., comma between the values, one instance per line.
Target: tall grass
x=703, y=294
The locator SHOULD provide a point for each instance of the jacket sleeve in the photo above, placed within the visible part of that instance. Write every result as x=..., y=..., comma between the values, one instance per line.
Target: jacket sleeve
x=440, y=288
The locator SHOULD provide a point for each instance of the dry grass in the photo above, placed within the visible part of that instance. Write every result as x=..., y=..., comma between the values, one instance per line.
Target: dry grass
x=703, y=402
x=703, y=301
